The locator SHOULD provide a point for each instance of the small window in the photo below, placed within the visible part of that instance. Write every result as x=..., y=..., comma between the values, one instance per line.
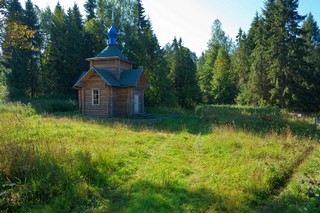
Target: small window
x=95, y=97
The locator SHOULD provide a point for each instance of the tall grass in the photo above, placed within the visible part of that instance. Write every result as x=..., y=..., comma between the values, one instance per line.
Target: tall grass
x=49, y=105
x=63, y=164
x=258, y=120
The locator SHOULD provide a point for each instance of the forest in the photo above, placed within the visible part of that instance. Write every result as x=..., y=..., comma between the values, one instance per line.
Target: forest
x=274, y=64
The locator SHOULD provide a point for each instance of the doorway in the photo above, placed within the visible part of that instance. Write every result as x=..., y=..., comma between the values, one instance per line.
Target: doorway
x=136, y=104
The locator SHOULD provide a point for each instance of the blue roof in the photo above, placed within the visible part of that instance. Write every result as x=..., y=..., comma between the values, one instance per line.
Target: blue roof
x=107, y=77
x=128, y=78
x=112, y=51
x=79, y=79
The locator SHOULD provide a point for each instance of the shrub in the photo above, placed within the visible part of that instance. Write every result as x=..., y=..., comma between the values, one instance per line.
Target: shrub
x=44, y=105
x=18, y=108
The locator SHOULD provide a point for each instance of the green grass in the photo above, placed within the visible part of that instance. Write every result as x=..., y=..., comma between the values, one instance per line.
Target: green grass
x=218, y=158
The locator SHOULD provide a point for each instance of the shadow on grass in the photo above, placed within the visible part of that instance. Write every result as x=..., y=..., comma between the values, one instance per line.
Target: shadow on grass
x=200, y=121
x=58, y=180
x=250, y=119
x=146, y=196
x=50, y=180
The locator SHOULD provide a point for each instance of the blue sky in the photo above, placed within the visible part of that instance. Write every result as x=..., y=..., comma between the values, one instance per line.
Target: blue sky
x=193, y=22
x=192, y=19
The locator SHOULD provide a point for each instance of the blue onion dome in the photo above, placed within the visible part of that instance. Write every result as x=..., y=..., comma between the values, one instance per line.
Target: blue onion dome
x=112, y=34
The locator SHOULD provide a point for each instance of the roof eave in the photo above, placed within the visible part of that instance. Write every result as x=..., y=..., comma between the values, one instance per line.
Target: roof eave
x=108, y=58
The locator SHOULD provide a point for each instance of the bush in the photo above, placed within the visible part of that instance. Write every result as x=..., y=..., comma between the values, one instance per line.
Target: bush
x=44, y=105
x=18, y=108
x=3, y=87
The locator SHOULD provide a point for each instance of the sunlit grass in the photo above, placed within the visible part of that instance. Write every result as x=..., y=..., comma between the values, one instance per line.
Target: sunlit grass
x=184, y=163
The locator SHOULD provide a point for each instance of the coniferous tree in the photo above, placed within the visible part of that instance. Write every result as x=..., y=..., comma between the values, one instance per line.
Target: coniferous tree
x=90, y=7
x=144, y=48
x=54, y=59
x=151, y=59
x=240, y=63
x=283, y=53
x=310, y=100
x=142, y=20
x=17, y=45
x=205, y=70
x=256, y=89
x=93, y=43
x=183, y=74
x=31, y=20
x=75, y=62
x=95, y=26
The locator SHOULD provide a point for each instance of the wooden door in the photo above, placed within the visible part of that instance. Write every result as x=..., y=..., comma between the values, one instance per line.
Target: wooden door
x=136, y=104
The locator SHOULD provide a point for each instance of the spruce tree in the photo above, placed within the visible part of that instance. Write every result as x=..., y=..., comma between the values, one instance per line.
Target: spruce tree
x=142, y=46
x=310, y=78
x=240, y=63
x=75, y=62
x=256, y=90
x=90, y=6
x=183, y=74
x=55, y=54
x=283, y=55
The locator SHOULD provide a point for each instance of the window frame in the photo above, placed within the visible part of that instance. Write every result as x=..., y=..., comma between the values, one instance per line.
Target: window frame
x=94, y=97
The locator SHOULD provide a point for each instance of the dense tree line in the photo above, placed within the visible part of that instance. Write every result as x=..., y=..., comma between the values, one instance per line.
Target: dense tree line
x=45, y=51
x=275, y=63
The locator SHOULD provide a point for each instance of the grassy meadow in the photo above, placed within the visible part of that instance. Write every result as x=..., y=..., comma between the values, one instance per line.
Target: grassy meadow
x=211, y=159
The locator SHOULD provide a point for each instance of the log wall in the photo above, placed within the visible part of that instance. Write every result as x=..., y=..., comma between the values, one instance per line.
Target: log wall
x=113, y=100
x=122, y=101
x=94, y=82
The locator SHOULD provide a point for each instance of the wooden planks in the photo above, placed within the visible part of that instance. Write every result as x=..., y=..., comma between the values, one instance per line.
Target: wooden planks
x=121, y=102
x=91, y=109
